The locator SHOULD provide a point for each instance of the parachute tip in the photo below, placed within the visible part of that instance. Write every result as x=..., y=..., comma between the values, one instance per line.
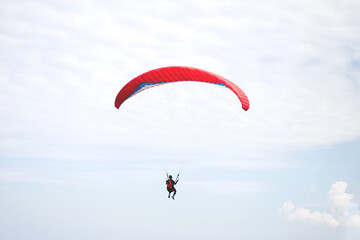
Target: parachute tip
x=117, y=105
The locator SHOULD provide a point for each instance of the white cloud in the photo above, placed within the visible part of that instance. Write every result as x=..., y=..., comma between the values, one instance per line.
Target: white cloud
x=354, y=221
x=63, y=65
x=287, y=208
x=305, y=215
x=341, y=202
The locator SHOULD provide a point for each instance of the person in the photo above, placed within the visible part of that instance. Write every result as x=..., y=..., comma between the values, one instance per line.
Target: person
x=170, y=183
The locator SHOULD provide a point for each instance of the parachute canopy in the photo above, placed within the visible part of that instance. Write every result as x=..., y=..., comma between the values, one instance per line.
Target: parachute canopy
x=165, y=75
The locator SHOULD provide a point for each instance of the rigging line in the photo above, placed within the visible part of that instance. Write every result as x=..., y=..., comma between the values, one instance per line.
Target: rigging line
x=189, y=142
x=183, y=125
x=212, y=135
x=150, y=135
x=222, y=129
x=198, y=118
x=170, y=123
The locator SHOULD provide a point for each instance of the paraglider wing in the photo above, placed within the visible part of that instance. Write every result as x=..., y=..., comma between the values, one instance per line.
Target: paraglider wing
x=166, y=75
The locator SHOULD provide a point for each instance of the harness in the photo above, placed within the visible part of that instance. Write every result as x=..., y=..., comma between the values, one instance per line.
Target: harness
x=170, y=185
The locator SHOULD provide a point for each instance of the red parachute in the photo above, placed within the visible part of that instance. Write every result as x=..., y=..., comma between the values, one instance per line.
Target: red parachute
x=166, y=75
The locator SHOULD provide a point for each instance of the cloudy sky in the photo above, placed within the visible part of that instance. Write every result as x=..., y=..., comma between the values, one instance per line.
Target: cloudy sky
x=72, y=166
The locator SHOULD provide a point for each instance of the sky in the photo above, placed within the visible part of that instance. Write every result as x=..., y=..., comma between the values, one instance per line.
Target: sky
x=72, y=166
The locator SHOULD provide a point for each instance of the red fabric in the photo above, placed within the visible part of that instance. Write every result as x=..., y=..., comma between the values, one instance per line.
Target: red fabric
x=176, y=74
